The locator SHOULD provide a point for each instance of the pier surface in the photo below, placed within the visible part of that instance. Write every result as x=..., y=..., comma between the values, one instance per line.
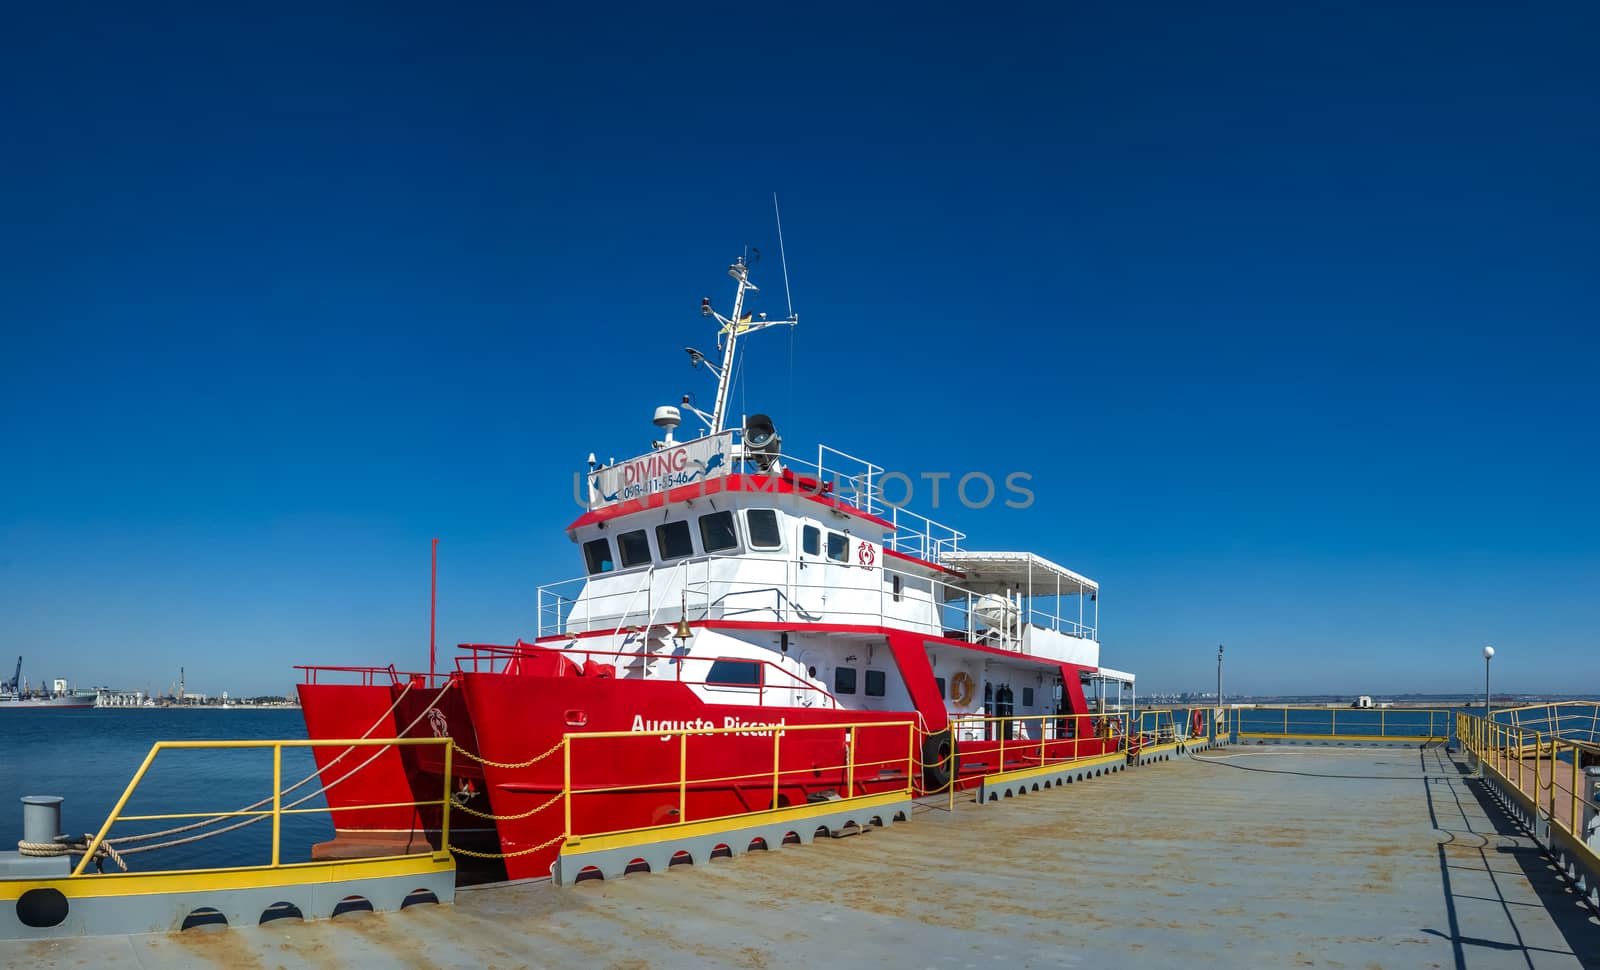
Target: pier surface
x=1238, y=857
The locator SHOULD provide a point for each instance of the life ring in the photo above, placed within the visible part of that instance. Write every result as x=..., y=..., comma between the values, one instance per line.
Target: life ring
x=961, y=688
x=866, y=555
x=1198, y=728
x=940, y=762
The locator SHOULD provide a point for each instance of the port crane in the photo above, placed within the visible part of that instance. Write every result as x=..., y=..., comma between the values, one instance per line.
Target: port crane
x=14, y=685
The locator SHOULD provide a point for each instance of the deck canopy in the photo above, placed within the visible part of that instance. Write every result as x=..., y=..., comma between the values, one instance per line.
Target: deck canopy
x=1019, y=572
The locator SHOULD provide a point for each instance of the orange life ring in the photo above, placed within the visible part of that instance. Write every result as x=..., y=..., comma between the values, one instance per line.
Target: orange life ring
x=1199, y=727
x=961, y=688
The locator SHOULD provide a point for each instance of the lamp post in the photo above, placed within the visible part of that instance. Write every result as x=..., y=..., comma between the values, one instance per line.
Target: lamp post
x=1219, y=675
x=1488, y=655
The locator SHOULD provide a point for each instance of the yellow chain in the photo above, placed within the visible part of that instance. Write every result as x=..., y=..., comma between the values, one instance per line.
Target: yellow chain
x=508, y=818
x=507, y=855
x=507, y=765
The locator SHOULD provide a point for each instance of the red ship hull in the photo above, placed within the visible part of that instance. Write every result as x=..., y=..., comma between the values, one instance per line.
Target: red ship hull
x=373, y=792
x=515, y=723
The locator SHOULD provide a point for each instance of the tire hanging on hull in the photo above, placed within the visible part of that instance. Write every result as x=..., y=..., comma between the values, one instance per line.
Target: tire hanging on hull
x=940, y=763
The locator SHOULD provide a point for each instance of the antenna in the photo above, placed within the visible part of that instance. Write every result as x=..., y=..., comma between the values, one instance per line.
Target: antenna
x=782, y=257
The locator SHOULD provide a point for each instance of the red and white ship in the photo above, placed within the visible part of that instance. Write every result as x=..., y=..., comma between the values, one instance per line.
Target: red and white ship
x=727, y=584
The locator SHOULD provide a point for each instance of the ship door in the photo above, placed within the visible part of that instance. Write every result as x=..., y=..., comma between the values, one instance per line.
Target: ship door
x=807, y=582
x=817, y=669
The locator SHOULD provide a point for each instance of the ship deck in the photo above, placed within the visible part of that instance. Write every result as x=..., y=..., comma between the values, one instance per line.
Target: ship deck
x=1274, y=856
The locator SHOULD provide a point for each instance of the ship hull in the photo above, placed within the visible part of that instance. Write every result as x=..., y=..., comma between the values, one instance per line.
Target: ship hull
x=377, y=795
x=65, y=702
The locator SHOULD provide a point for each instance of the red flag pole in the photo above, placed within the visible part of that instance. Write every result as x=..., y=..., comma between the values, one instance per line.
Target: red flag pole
x=433, y=610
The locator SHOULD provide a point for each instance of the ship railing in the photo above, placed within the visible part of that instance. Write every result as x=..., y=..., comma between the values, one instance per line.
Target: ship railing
x=695, y=589
x=1574, y=720
x=850, y=760
x=369, y=676
x=987, y=744
x=1423, y=725
x=774, y=683
x=1543, y=777
x=862, y=485
x=282, y=804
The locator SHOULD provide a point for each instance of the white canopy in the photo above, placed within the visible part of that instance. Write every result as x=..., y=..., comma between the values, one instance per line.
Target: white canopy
x=1022, y=571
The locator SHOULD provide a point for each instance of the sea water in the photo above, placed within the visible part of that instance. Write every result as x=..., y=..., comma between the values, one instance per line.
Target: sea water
x=88, y=756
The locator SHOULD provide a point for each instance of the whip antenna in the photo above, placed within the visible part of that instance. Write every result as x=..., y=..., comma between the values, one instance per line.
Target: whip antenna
x=782, y=257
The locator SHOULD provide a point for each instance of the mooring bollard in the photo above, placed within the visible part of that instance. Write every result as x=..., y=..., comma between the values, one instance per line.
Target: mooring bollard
x=41, y=818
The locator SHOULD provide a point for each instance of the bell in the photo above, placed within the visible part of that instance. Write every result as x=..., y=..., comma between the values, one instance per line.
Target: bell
x=683, y=632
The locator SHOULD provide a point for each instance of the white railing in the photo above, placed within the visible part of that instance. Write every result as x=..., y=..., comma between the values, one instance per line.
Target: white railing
x=694, y=589
x=859, y=484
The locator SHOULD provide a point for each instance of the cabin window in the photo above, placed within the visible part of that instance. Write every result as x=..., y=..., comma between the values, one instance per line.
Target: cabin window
x=674, y=541
x=597, y=556
x=1027, y=697
x=763, y=525
x=897, y=589
x=634, y=547
x=716, y=532
x=844, y=680
x=735, y=673
x=875, y=683
x=939, y=681
x=811, y=540
x=838, y=547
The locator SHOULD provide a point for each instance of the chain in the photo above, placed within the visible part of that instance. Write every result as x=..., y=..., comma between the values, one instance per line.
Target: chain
x=510, y=765
x=508, y=818
x=508, y=855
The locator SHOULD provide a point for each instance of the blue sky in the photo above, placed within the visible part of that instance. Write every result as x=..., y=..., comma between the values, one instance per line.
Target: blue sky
x=1290, y=314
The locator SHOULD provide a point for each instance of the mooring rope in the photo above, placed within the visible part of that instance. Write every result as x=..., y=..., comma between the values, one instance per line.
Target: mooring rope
x=107, y=847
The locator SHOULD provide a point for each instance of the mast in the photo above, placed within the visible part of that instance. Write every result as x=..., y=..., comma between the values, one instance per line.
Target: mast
x=732, y=327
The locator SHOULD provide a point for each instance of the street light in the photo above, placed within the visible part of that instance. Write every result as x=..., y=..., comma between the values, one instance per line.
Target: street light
x=1219, y=675
x=1488, y=655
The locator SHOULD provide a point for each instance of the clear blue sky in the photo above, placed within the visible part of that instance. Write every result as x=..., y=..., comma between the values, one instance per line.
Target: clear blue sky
x=1290, y=310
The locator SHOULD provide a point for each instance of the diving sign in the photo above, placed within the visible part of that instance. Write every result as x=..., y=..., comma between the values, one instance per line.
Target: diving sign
x=683, y=464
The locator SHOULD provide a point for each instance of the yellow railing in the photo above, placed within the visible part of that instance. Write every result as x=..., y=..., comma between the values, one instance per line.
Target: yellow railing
x=853, y=768
x=1355, y=724
x=1040, y=739
x=277, y=811
x=1507, y=749
x=1157, y=725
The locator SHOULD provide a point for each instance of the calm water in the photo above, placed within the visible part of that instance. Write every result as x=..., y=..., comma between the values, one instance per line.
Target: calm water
x=89, y=756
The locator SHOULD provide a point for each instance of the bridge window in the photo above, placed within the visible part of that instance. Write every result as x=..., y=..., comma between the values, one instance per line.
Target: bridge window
x=597, y=556
x=716, y=532
x=811, y=540
x=875, y=683
x=634, y=547
x=844, y=680
x=674, y=540
x=838, y=547
x=735, y=673
x=764, y=532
